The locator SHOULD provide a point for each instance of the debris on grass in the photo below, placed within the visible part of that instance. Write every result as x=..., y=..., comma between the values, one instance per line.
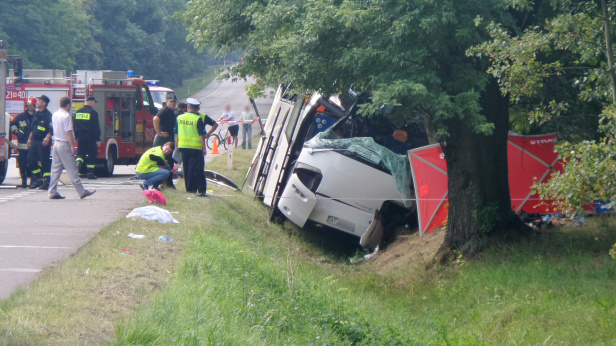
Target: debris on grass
x=153, y=213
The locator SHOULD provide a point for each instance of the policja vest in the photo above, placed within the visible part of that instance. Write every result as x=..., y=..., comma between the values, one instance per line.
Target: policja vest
x=188, y=132
x=147, y=165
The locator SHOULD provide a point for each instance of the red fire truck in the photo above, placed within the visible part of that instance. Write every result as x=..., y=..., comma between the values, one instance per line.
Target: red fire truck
x=126, y=114
x=125, y=108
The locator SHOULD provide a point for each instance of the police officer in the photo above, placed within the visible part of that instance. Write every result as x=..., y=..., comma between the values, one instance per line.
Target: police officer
x=190, y=139
x=88, y=134
x=21, y=127
x=39, y=145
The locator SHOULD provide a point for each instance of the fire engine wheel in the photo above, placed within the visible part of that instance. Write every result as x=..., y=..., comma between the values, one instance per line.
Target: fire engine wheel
x=106, y=166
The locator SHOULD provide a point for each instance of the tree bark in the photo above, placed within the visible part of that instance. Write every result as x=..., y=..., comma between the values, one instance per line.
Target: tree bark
x=609, y=52
x=479, y=198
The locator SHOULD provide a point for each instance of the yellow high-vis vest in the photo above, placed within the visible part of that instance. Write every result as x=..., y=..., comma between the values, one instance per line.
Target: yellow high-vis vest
x=147, y=165
x=188, y=133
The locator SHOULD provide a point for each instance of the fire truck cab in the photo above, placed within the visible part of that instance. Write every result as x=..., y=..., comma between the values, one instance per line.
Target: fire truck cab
x=126, y=112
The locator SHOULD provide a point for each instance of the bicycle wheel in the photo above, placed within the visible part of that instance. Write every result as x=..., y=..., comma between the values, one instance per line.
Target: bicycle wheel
x=209, y=142
x=228, y=142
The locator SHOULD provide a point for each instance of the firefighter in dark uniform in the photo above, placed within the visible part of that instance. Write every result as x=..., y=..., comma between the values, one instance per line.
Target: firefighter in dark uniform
x=39, y=145
x=190, y=139
x=21, y=127
x=88, y=134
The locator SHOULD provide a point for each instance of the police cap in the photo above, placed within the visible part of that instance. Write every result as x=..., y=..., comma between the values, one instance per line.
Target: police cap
x=193, y=102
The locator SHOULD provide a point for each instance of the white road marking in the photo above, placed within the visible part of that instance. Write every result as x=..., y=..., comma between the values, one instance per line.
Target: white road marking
x=19, y=270
x=33, y=247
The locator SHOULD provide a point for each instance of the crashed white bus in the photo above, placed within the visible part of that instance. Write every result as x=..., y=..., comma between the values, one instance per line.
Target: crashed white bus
x=320, y=162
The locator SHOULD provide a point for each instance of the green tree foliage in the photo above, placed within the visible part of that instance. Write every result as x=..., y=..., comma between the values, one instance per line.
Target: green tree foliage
x=559, y=73
x=409, y=53
x=101, y=34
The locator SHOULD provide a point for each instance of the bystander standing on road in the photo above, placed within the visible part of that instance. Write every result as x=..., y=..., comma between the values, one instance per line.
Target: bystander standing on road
x=229, y=117
x=190, y=140
x=164, y=121
x=39, y=145
x=64, y=152
x=153, y=167
x=247, y=118
x=21, y=127
x=88, y=133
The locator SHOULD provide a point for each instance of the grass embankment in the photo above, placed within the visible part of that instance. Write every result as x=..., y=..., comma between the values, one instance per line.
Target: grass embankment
x=193, y=85
x=242, y=280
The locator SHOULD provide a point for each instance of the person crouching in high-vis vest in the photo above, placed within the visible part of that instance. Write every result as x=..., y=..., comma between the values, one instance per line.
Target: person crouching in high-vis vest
x=153, y=167
x=190, y=137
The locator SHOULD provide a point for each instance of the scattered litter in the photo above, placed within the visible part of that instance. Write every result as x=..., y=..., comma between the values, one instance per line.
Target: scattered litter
x=136, y=236
x=126, y=252
x=155, y=196
x=88, y=271
x=174, y=212
x=189, y=198
x=220, y=180
x=355, y=260
x=165, y=238
x=153, y=213
x=579, y=221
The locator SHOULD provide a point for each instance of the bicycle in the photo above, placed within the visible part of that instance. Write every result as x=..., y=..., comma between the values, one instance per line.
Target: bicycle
x=225, y=140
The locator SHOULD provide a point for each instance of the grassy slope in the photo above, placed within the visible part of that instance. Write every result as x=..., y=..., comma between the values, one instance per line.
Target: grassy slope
x=193, y=85
x=242, y=280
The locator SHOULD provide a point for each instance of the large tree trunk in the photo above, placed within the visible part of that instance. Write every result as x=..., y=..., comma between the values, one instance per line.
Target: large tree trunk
x=479, y=198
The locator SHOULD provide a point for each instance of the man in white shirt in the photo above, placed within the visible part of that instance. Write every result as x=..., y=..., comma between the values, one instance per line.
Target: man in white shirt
x=247, y=118
x=64, y=151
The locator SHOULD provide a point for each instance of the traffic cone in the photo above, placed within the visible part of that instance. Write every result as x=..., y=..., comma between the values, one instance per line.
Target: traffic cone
x=215, y=147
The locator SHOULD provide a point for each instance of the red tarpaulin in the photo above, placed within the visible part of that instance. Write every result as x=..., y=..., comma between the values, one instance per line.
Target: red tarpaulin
x=530, y=158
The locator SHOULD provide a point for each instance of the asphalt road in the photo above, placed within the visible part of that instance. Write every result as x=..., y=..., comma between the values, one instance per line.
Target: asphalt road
x=37, y=232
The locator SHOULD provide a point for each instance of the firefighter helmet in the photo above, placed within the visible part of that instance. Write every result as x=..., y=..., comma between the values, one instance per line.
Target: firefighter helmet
x=32, y=100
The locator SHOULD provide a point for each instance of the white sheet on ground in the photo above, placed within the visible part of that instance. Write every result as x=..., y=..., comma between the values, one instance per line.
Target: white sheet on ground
x=153, y=213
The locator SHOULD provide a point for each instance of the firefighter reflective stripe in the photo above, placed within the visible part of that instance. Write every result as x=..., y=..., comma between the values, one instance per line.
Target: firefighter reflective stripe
x=82, y=116
x=48, y=174
x=188, y=133
x=147, y=165
x=91, y=166
x=36, y=171
x=22, y=146
x=41, y=128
